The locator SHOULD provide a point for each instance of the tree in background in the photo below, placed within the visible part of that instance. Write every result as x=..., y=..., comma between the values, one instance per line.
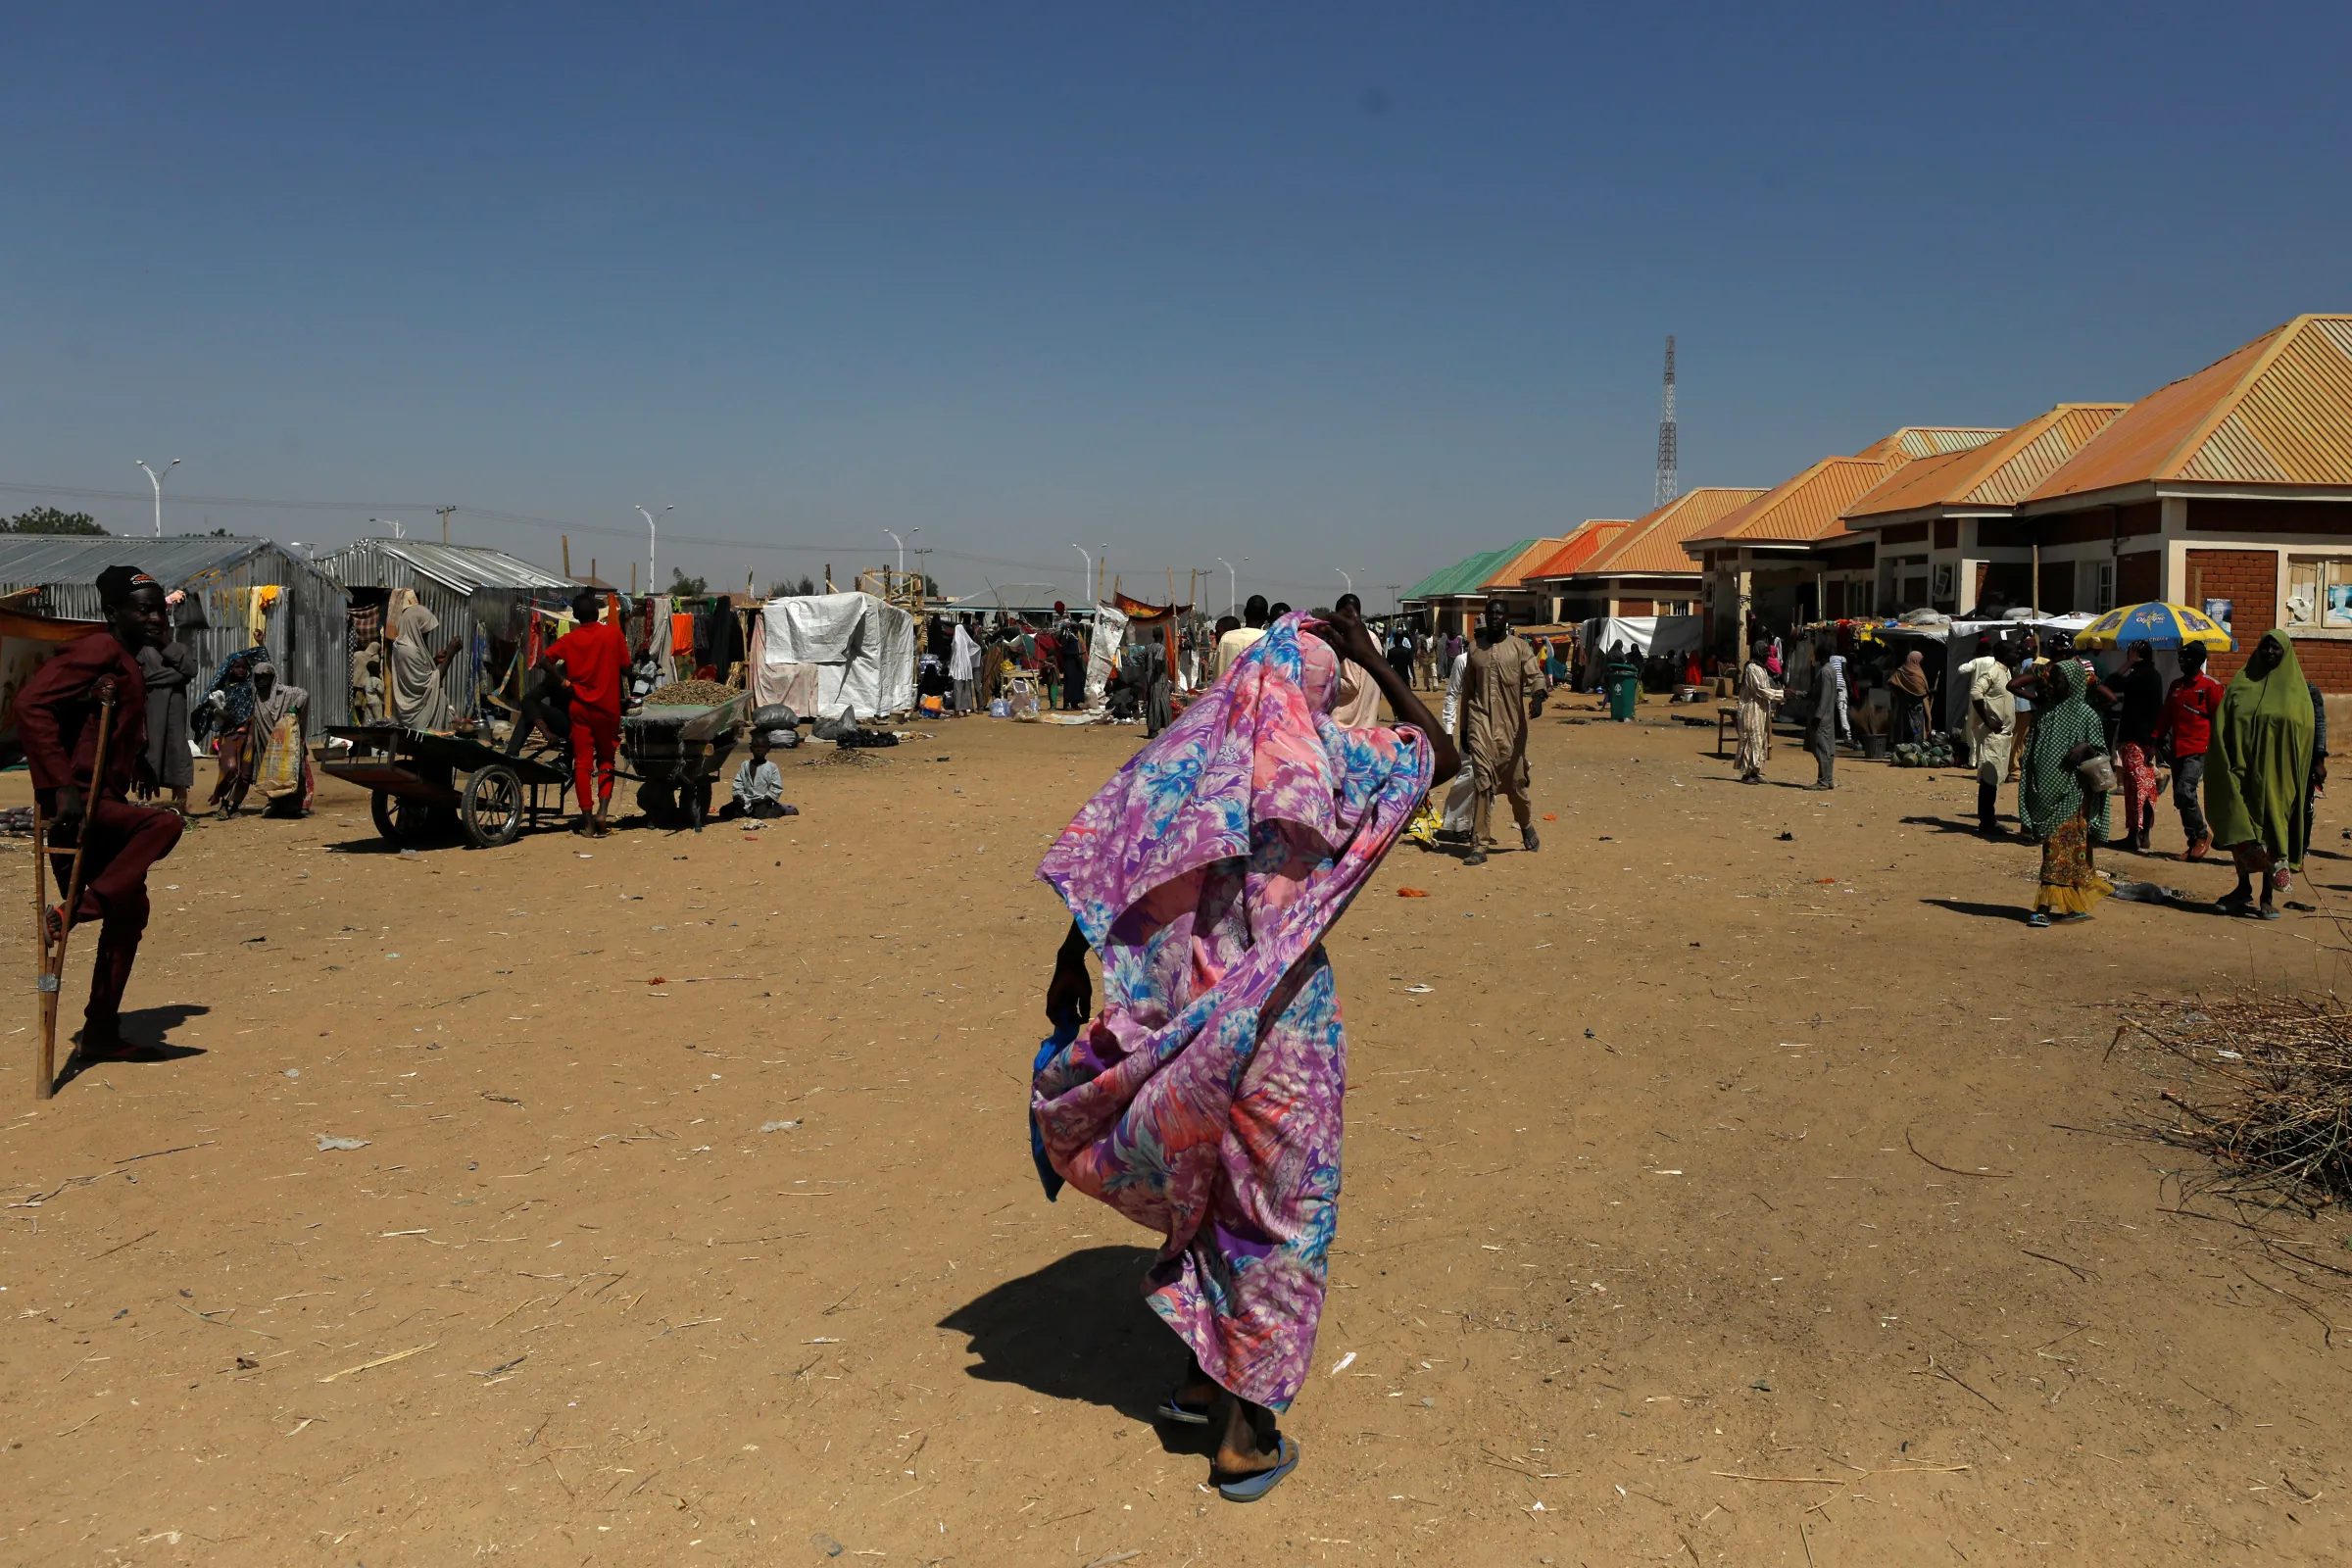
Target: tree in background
x=786, y=588
x=48, y=520
x=682, y=586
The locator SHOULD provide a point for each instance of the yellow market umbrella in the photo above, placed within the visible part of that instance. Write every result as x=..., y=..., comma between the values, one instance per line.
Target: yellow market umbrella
x=2159, y=626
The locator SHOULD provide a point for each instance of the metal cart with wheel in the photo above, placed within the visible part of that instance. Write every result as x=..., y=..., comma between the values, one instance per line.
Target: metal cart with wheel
x=676, y=755
x=416, y=792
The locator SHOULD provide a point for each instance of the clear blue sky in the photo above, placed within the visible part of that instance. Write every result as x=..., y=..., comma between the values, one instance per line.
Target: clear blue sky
x=1364, y=286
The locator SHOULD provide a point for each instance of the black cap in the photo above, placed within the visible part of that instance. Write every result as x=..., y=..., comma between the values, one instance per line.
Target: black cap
x=117, y=583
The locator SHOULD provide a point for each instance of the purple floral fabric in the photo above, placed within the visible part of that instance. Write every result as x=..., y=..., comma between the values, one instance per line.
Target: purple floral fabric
x=1204, y=1100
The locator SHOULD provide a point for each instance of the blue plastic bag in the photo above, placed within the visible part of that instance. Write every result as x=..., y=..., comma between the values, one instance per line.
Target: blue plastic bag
x=1052, y=1046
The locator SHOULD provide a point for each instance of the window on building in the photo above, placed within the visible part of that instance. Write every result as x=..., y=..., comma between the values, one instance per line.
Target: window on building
x=2319, y=591
x=2101, y=585
x=1858, y=599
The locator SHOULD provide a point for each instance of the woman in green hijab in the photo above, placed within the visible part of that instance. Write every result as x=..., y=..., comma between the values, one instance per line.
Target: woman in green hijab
x=2052, y=802
x=2257, y=770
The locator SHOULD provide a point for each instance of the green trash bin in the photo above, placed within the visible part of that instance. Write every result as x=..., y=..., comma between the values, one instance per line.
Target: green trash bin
x=1625, y=689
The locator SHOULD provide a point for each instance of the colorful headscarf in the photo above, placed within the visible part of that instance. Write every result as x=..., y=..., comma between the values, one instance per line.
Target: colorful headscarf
x=234, y=683
x=2260, y=761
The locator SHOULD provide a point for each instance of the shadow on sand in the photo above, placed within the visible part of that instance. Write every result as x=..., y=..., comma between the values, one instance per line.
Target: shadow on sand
x=149, y=1032
x=1077, y=1329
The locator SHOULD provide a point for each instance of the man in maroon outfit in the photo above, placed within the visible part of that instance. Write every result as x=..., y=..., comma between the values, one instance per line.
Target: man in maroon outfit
x=55, y=715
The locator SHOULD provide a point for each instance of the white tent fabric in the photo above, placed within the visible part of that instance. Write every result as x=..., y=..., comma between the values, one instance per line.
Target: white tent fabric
x=1651, y=636
x=1102, y=655
x=863, y=650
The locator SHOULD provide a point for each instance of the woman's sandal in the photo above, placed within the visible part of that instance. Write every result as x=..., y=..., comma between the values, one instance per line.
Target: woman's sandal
x=2038, y=921
x=1256, y=1485
x=1173, y=1409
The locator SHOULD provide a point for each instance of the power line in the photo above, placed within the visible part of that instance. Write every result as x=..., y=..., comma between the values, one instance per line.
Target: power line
x=524, y=519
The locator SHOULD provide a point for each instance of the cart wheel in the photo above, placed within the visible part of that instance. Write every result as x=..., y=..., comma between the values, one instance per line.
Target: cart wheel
x=493, y=807
x=398, y=818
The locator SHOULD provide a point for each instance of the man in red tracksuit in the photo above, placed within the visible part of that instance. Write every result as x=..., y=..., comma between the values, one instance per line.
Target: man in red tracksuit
x=56, y=717
x=593, y=659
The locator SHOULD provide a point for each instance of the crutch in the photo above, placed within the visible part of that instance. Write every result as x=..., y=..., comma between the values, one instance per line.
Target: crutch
x=53, y=952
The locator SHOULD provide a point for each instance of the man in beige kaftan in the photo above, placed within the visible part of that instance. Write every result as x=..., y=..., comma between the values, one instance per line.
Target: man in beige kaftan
x=1502, y=689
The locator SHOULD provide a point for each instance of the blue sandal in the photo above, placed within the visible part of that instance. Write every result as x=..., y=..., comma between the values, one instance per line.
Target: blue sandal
x=1171, y=1409
x=1250, y=1488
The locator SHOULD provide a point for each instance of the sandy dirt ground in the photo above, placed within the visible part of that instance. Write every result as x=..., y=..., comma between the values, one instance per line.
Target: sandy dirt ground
x=1737, y=1180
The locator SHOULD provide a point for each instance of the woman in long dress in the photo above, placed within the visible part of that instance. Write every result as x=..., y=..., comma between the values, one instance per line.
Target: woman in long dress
x=1204, y=1099
x=419, y=699
x=2257, y=770
x=2052, y=804
x=1757, y=695
x=171, y=765
x=277, y=763
x=226, y=716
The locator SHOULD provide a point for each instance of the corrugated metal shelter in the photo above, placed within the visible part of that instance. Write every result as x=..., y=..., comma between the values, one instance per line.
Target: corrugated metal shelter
x=478, y=595
x=305, y=629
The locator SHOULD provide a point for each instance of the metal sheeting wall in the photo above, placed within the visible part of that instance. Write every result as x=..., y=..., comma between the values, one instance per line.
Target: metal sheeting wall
x=480, y=609
x=307, y=634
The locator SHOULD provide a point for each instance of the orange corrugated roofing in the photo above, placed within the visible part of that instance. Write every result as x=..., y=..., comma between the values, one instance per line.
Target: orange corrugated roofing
x=1514, y=570
x=1655, y=543
x=1914, y=441
x=1583, y=542
x=2278, y=410
x=1802, y=508
x=1997, y=473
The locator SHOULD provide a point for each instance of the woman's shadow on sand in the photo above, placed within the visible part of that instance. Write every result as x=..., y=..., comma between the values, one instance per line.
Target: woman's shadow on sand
x=1078, y=1329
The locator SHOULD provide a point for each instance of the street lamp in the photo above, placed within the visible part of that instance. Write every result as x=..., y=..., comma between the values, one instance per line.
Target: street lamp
x=1233, y=585
x=1346, y=578
x=157, y=480
x=393, y=523
x=1089, y=583
x=652, y=543
x=901, y=544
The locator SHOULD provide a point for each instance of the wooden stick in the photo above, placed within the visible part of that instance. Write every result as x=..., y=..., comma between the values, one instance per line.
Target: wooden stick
x=45, y=1049
x=54, y=959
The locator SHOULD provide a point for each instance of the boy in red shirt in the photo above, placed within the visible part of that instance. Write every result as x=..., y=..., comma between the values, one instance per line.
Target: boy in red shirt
x=592, y=659
x=2187, y=731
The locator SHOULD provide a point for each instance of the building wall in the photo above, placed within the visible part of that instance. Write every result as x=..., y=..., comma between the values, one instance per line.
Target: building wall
x=2249, y=579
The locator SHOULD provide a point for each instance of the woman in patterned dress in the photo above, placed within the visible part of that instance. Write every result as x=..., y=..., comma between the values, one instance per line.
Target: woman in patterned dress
x=1204, y=1099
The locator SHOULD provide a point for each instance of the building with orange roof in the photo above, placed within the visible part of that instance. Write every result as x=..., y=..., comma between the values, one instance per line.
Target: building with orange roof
x=1787, y=558
x=1637, y=568
x=2229, y=490
x=1944, y=525
x=1508, y=583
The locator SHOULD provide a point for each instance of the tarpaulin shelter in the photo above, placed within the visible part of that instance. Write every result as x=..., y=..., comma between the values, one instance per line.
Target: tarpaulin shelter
x=27, y=640
x=236, y=589
x=825, y=654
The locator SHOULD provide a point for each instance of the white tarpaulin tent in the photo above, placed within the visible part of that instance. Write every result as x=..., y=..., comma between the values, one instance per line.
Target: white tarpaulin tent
x=860, y=650
x=1651, y=636
x=1102, y=655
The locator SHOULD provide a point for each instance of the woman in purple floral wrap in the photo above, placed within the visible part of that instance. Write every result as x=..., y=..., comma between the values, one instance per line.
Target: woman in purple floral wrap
x=1204, y=1099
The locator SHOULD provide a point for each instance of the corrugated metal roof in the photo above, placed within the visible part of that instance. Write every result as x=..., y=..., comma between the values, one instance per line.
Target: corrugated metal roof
x=465, y=568
x=1466, y=575
x=1583, y=542
x=1998, y=474
x=1914, y=441
x=1653, y=545
x=1804, y=508
x=2277, y=411
x=1513, y=573
x=27, y=559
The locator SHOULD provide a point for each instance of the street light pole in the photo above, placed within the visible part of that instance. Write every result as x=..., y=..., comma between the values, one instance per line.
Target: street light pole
x=1346, y=577
x=901, y=544
x=157, y=480
x=652, y=543
x=1090, y=565
x=1233, y=586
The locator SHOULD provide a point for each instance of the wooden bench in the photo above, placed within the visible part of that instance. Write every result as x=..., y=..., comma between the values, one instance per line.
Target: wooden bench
x=1727, y=718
